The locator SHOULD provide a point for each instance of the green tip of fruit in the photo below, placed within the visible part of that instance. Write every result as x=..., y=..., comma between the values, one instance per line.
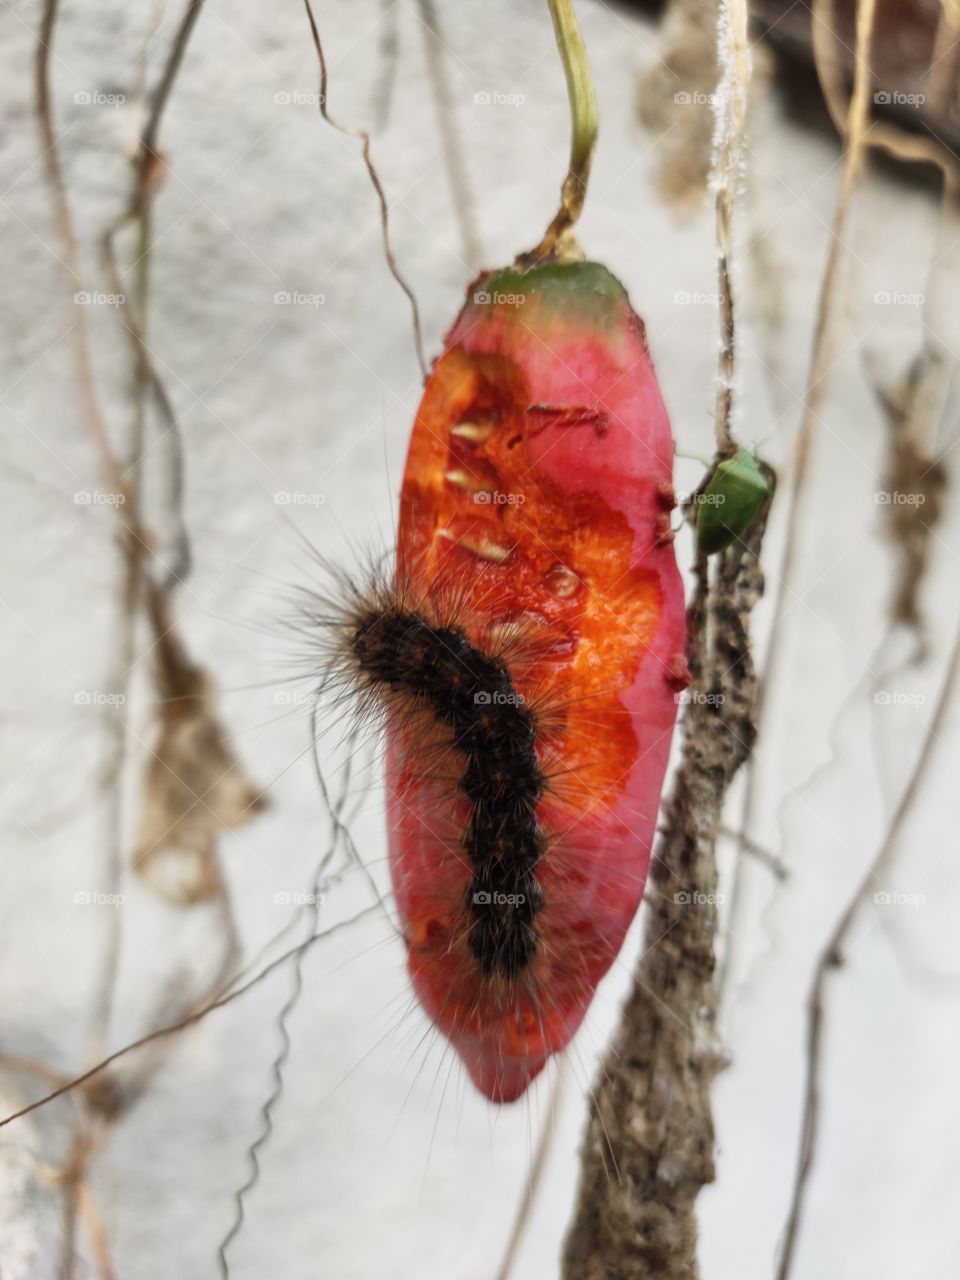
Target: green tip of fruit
x=561, y=290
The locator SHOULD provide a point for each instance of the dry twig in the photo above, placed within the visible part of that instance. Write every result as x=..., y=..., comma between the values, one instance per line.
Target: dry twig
x=856, y=126
x=364, y=137
x=833, y=955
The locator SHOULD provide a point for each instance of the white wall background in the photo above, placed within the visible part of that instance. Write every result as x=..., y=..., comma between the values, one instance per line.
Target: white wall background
x=384, y=1163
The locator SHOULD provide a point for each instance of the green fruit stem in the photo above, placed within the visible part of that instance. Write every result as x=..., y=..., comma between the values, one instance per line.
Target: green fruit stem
x=584, y=123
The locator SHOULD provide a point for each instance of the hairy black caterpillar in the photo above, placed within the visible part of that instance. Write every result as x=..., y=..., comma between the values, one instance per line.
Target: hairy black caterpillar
x=404, y=658
x=471, y=692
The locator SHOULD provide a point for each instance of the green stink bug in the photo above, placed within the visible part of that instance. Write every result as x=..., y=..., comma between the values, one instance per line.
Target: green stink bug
x=729, y=502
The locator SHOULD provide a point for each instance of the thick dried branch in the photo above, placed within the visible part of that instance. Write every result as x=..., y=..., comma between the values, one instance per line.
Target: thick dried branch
x=649, y=1143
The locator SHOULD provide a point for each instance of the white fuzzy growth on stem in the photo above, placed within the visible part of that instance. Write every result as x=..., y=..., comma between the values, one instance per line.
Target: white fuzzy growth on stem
x=730, y=109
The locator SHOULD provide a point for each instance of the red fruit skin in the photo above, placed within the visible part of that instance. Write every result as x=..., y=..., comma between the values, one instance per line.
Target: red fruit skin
x=578, y=550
